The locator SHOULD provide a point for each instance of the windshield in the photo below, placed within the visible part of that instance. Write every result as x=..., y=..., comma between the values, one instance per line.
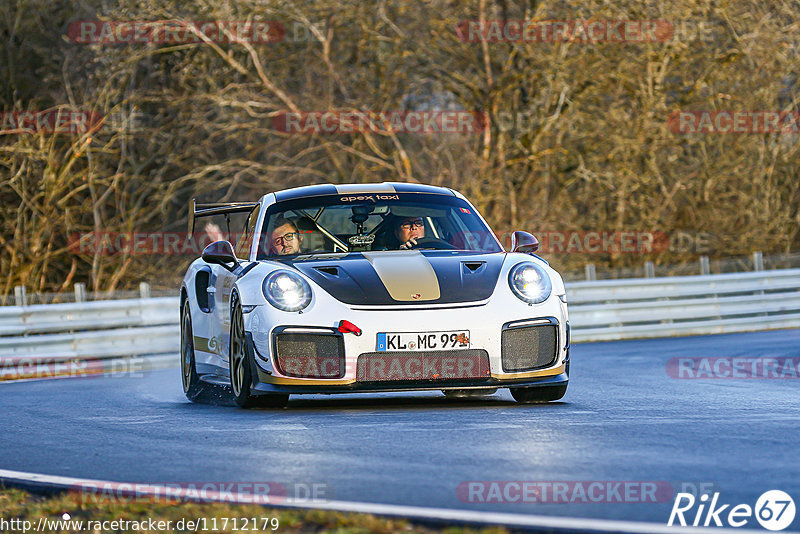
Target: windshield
x=358, y=223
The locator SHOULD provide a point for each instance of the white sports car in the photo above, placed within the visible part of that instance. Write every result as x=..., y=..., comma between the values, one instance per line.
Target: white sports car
x=370, y=288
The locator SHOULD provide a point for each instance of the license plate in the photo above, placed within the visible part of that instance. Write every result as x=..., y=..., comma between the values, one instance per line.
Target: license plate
x=420, y=341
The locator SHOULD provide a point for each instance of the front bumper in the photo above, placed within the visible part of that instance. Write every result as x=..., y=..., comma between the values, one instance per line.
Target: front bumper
x=485, y=323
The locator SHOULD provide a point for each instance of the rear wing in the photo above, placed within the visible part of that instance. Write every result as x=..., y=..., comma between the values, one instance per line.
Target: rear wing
x=217, y=208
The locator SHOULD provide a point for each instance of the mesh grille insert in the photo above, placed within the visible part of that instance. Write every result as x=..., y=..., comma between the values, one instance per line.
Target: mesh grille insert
x=423, y=365
x=529, y=348
x=309, y=355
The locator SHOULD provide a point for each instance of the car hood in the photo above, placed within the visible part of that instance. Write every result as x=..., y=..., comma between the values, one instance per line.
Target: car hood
x=403, y=277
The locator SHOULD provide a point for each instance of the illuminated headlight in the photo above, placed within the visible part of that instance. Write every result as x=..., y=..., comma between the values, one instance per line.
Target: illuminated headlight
x=530, y=283
x=286, y=291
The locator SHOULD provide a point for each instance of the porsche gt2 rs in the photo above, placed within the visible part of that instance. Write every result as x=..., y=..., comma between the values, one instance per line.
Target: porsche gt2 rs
x=370, y=288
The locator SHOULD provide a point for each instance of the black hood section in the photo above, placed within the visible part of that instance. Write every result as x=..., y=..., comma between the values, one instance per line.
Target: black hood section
x=350, y=278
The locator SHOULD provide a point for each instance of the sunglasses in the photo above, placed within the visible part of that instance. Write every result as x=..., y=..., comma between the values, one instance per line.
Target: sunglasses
x=408, y=225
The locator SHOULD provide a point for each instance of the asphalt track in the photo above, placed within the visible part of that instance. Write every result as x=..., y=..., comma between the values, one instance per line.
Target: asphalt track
x=623, y=419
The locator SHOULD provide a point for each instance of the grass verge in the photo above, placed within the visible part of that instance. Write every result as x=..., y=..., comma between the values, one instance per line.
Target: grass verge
x=47, y=514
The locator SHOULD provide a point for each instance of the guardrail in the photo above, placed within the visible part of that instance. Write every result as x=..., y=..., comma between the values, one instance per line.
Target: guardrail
x=685, y=305
x=86, y=331
x=599, y=310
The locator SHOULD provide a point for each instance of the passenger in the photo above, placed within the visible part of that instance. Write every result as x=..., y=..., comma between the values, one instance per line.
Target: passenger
x=285, y=239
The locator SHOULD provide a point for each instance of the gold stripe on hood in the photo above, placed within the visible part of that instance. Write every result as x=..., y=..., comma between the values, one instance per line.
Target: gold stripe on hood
x=407, y=275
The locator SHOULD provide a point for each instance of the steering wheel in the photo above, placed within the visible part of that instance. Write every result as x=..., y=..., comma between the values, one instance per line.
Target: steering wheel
x=434, y=243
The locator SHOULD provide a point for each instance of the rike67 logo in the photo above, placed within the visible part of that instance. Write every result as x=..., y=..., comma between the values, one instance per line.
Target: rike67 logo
x=774, y=510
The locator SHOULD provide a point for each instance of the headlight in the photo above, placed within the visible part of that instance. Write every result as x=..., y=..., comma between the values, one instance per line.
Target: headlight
x=286, y=291
x=530, y=283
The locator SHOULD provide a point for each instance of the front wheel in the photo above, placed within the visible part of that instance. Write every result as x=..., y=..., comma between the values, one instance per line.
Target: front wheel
x=537, y=395
x=240, y=370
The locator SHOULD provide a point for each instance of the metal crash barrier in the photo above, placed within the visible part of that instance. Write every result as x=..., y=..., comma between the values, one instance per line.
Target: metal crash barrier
x=601, y=310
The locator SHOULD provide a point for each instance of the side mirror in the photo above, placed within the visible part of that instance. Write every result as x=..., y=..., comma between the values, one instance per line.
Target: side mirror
x=524, y=242
x=220, y=252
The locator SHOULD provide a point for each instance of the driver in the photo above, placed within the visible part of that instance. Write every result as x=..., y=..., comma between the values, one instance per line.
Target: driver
x=408, y=230
x=285, y=239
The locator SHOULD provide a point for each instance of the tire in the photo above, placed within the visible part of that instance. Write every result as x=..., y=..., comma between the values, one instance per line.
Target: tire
x=240, y=367
x=194, y=388
x=538, y=395
x=468, y=393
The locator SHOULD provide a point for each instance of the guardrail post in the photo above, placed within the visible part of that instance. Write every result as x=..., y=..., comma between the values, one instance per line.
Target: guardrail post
x=19, y=296
x=144, y=290
x=758, y=261
x=704, y=268
x=649, y=269
x=80, y=292
x=591, y=274
x=758, y=265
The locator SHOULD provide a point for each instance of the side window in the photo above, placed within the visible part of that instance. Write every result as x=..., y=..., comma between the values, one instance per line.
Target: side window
x=242, y=250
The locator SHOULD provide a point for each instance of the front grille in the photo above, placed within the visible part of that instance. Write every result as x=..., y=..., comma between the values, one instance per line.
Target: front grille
x=310, y=355
x=528, y=348
x=423, y=365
